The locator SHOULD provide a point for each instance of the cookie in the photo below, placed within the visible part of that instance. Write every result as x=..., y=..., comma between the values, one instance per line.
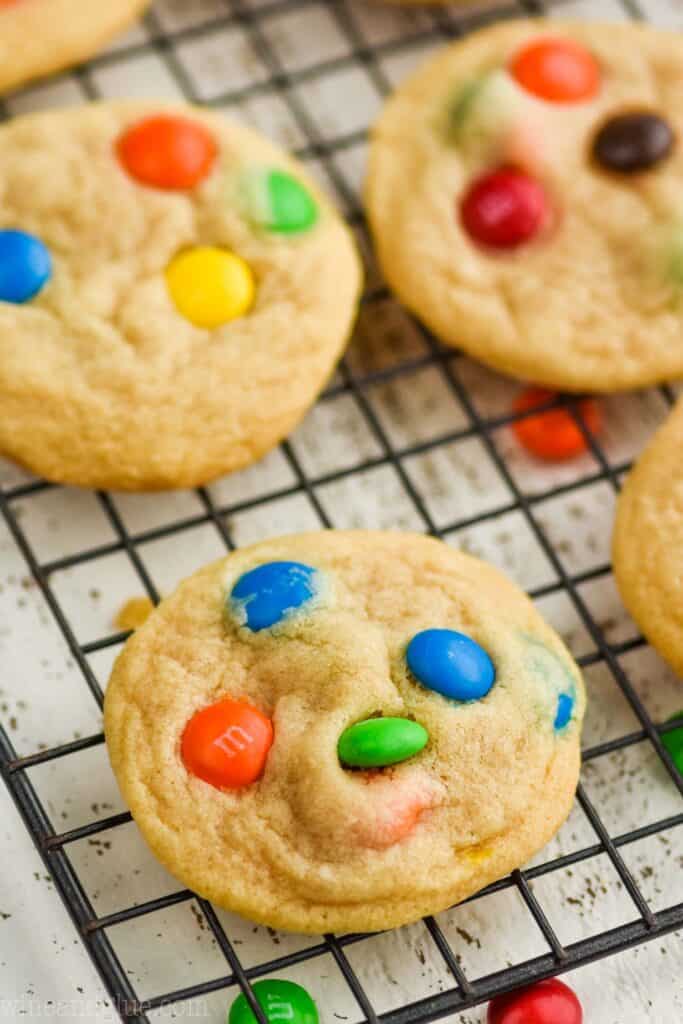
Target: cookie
x=174, y=292
x=38, y=37
x=524, y=191
x=648, y=542
x=345, y=730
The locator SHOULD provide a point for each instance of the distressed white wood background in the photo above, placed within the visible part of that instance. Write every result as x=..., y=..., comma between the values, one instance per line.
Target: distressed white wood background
x=43, y=700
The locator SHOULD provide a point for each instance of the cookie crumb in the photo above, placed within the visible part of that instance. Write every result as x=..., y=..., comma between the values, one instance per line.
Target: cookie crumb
x=134, y=613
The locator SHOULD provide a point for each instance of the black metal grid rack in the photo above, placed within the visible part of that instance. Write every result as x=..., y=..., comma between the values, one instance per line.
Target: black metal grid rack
x=54, y=846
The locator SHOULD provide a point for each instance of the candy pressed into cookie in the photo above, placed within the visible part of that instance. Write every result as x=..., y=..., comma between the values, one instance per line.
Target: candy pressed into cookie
x=648, y=541
x=345, y=730
x=174, y=292
x=38, y=37
x=525, y=192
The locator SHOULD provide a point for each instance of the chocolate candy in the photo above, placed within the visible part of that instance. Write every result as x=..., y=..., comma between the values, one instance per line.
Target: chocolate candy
x=226, y=744
x=451, y=664
x=266, y=595
x=280, y=1001
x=557, y=70
x=547, y=666
x=565, y=709
x=25, y=266
x=673, y=741
x=554, y=436
x=167, y=152
x=210, y=286
x=633, y=142
x=548, y=1002
x=379, y=742
x=504, y=209
x=275, y=201
x=463, y=104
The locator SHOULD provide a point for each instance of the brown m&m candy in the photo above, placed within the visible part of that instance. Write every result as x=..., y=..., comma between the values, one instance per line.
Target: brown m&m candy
x=633, y=142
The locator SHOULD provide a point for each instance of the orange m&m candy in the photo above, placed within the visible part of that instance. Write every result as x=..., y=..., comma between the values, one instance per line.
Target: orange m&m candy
x=167, y=152
x=226, y=744
x=553, y=435
x=557, y=70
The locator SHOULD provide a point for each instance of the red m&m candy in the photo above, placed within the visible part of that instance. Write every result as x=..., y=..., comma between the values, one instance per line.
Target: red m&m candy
x=557, y=70
x=167, y=152
x=549, y=1002
x=504, y=208
x=553, y=435
x=227, y=744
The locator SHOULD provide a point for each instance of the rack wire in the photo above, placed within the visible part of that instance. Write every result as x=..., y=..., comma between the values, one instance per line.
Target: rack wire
x=251, y=20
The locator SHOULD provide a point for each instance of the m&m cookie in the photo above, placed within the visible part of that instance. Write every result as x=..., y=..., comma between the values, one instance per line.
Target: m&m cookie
x=38, y=37
x=345, y=730
x=648, y=541
x=525, y=194
x=174, y=292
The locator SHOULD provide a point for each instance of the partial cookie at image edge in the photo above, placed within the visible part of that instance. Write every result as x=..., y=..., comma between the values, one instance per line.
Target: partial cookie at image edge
x=648, y=541
x=127, y=364
x=36, y=42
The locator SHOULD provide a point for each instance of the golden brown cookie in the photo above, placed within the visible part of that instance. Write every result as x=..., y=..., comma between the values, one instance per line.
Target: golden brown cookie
x=524, y=191
x=174, y=292
x=38, y=37
x=345, y=730
x=648, y=541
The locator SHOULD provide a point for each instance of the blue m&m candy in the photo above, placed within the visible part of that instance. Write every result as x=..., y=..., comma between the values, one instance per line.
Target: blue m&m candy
x=565, y=709
x=451, y=664
x=25, y=266
x=266, y=595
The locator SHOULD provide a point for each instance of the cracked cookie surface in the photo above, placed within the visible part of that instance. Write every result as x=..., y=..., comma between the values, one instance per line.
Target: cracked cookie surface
x=310, y=844
x=588, y=295
x=38, y=37
x=120, y=367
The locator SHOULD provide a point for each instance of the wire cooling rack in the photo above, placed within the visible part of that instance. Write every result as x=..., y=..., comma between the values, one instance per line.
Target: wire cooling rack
x=407, y=434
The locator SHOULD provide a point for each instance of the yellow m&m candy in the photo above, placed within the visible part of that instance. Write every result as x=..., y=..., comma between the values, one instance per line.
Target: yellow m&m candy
x=210, y=286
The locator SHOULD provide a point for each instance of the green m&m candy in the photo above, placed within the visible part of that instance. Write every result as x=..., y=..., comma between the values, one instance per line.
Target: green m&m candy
x=462, y=105
x=483, y=110
x=673, y=741
x=379, y=742
x=277, y=202
x=280, y=1001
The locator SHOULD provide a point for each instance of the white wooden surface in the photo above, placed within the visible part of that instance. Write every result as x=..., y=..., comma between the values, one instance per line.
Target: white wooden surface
x=43, y=700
